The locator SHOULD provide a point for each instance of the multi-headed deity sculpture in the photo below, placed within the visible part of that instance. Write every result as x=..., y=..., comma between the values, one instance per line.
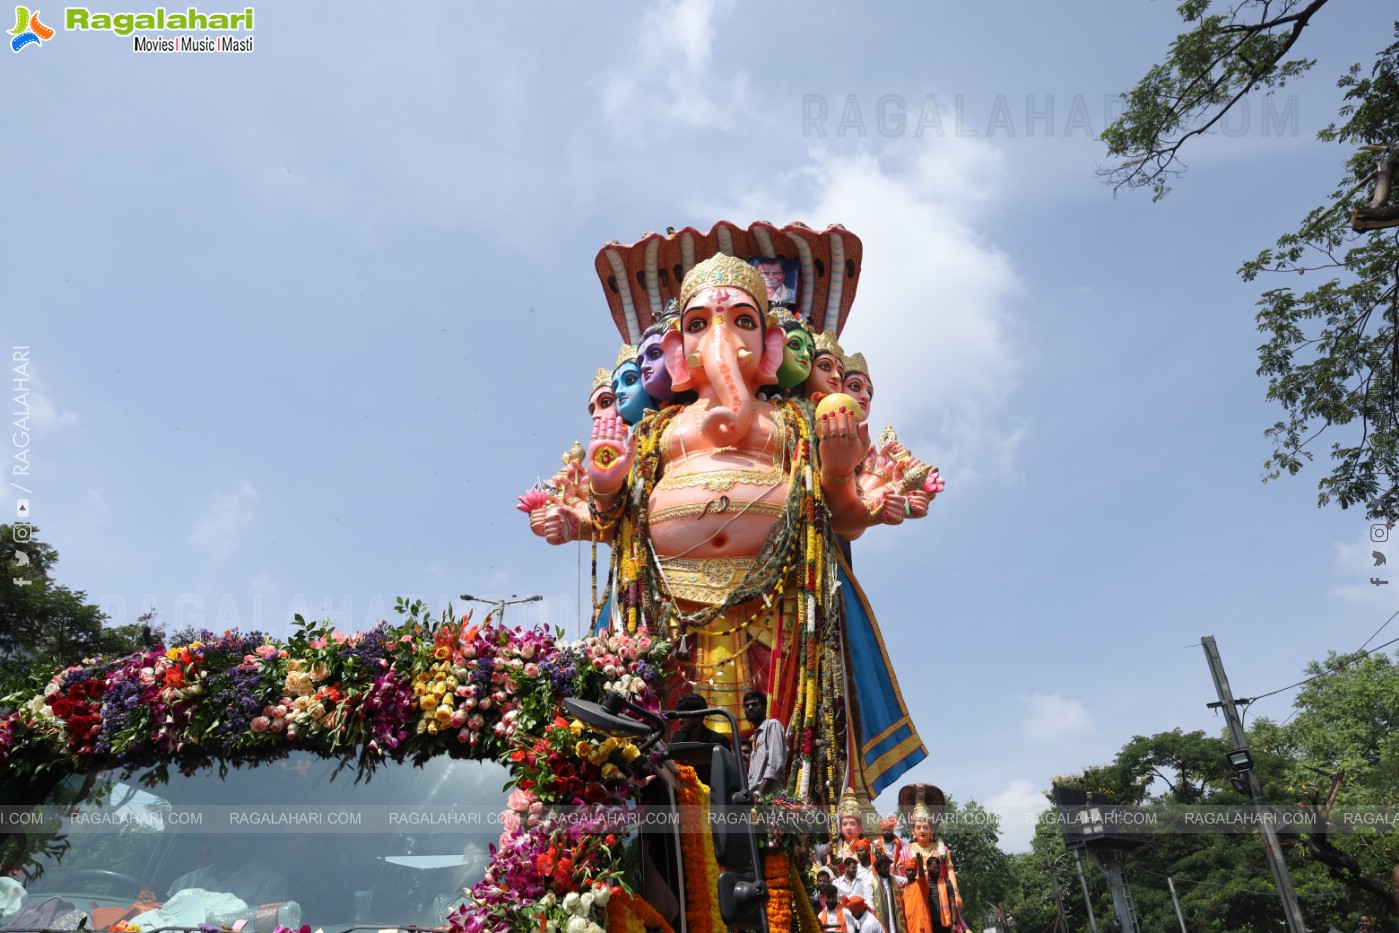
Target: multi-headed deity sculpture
x=724, y=477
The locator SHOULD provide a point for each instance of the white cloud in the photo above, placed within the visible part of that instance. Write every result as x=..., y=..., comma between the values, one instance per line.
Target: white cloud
x=225, y=516
x=1018, y=806
x=1052, y=717
x=44, y=414
x=669, y=78
x=928, y=274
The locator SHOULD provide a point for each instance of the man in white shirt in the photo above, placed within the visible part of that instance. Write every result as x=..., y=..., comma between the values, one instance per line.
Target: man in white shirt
x=767, y=766
x=855, y=882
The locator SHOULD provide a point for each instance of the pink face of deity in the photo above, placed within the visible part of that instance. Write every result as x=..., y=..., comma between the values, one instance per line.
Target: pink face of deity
x=826, y=376
x=736, y=312
x=849, y=828
x=922, y=831
x=602, y=402
x=859, y=387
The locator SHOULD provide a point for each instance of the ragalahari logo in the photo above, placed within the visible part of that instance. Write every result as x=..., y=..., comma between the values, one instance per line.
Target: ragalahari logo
x=28, y=30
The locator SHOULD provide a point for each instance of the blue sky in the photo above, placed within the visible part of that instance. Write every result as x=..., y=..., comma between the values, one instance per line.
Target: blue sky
x=303, y=322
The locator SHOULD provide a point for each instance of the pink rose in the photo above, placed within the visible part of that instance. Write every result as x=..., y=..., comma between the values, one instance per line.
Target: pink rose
x=259, y=724
x=317, y=643
x=266, y=651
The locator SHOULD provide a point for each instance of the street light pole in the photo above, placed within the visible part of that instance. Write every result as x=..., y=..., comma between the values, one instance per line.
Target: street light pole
x=498, y=605
x=1271, y=847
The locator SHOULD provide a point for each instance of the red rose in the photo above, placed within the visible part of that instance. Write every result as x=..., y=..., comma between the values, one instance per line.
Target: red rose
x=594, y=793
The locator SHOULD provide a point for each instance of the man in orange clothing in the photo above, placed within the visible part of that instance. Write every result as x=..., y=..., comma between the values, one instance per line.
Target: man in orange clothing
x=918, y=915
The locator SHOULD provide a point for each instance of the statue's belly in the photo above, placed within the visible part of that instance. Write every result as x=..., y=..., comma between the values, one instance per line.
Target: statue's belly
x=700, y=522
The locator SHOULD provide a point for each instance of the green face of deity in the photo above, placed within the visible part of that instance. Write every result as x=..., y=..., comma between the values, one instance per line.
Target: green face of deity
x=796, y=359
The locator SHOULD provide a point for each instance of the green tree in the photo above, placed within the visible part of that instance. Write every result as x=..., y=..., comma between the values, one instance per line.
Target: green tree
x=45, y=624
x=1331, y=353
x=983, y=871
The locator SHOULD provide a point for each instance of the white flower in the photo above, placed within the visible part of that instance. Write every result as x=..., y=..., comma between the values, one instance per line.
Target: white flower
x=577, y=925
x=586, y=902
x=570, y=902
x=601, y=893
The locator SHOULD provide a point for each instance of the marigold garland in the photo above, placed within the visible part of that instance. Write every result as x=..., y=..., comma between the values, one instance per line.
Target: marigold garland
x=632, y=913
x=697, y=853
x=777, y=871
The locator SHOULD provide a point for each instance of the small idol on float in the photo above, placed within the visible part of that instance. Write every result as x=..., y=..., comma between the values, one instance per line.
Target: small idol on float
x=851, y=828
x=632, y=398
x=889, y=467
x=931, y=857
x=564, y=489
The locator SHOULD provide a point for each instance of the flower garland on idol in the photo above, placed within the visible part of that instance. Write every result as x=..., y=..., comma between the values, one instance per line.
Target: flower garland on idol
x=407, y=692
x=798, y=554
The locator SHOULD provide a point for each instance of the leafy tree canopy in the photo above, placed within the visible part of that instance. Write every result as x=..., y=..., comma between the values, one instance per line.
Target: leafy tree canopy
x=45, y=624
x=1331, y=350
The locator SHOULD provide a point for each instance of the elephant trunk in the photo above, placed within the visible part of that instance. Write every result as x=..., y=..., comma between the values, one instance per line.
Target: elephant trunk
x=728, y=421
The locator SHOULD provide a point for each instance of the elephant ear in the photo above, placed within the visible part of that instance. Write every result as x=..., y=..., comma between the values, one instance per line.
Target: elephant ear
x=673, y=343
x=774, y=346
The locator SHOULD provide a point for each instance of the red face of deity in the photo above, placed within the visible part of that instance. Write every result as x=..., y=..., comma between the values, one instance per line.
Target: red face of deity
x=601, y=402
x=859, y=387
x=826, y=376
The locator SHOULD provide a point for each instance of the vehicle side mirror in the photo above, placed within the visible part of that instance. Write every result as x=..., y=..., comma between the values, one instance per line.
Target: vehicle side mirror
x=743, y=902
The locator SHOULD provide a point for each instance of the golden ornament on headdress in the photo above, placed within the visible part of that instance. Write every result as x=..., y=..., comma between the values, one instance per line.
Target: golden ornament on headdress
x=849, y=804
x=855, y=363
x=826, y=343
x=625, y=355
x=601, y=378
x=574, y=454
x=720, y=271
x=887, y=436
x=921, y=811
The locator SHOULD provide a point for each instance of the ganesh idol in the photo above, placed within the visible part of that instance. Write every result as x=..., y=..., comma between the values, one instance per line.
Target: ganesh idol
x=721, y=510
x=722, y=499
x=890, y=473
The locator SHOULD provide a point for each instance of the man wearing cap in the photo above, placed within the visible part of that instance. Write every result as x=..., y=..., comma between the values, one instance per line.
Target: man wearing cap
x=917, y=914
x=894, y=847
x=859, y=918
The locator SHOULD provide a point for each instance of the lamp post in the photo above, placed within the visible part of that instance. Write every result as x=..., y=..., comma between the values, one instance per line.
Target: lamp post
x=499, y=604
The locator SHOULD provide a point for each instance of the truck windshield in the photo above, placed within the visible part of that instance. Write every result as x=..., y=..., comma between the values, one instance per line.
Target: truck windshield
x=292, y=841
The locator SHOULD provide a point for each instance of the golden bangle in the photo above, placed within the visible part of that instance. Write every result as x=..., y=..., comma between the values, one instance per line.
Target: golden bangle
x=837, y=480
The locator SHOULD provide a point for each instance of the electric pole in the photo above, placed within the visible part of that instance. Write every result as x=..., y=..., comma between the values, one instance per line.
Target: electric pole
x=1271, y=847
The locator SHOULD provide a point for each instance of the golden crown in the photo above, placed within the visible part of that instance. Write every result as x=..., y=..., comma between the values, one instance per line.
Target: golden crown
x=849, y=804
x=722, y=270
x=855, y=363
x=625, y=355
x=574, y=454
x=601, y=378
x=921, y=811
x=826, y=343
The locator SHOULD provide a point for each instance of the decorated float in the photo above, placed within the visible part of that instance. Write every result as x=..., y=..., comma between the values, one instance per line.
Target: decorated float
x=442, y=774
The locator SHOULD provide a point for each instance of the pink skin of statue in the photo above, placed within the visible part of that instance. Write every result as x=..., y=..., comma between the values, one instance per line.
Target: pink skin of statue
x=826, y=375
x=723, y=352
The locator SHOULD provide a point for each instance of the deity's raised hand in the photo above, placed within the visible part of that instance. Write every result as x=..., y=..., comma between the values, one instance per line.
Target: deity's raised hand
x=844, y=441
x=609, y=455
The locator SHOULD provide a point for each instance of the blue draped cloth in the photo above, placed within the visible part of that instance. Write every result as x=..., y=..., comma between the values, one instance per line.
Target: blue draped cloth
x=887, y=742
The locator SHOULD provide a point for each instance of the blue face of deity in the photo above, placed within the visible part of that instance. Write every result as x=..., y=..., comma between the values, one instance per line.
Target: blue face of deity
x=632, y=400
